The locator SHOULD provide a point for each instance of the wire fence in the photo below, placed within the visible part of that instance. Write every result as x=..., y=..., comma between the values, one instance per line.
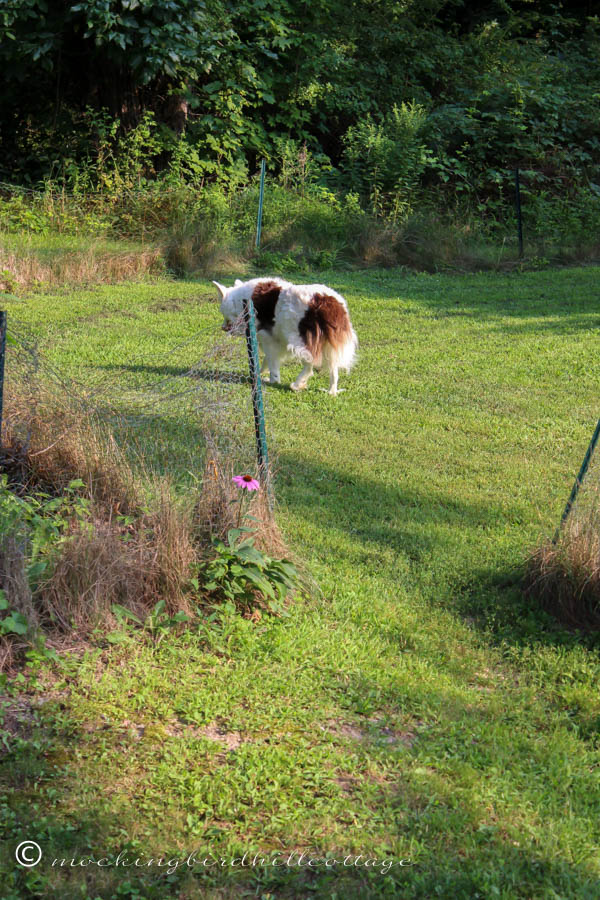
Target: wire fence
x=172, y=410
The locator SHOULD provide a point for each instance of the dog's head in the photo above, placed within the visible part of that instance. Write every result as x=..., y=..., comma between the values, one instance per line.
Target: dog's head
x=231, y=307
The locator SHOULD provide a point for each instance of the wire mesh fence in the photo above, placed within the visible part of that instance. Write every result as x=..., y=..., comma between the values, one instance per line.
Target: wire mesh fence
x=179, y=409
x=149, y=445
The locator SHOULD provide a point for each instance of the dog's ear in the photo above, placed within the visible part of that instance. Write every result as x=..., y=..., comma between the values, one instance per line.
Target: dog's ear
x=221, y=288
x=238, y=281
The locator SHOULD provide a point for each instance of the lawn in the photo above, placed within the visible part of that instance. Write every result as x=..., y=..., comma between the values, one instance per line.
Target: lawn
x=416, y=709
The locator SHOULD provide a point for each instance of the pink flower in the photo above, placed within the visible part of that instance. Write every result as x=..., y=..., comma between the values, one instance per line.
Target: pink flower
x=246, y=482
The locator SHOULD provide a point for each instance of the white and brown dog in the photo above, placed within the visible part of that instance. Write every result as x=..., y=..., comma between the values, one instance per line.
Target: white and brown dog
x=307, y=321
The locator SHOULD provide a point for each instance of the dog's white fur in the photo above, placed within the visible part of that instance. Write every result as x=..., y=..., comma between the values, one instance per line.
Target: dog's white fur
x=284, y=339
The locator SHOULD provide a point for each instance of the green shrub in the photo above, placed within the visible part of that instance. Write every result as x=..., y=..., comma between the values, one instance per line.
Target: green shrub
x=241, y=574
x=566, y=222
x=383, y=161
x=42, y=523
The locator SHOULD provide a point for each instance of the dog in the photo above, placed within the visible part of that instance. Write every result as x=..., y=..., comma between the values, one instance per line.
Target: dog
x=307, y=321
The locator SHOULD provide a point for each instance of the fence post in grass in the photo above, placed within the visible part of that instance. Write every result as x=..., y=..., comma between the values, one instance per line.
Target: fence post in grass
x=582, y=472
x=518, y=209
x=2, y=356
x=257, y=399
x=261, y=196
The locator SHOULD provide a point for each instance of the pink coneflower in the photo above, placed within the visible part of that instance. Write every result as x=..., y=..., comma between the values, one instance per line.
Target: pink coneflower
x=246, y=482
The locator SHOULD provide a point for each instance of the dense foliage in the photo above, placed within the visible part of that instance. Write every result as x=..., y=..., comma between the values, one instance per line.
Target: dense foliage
x=389, y=96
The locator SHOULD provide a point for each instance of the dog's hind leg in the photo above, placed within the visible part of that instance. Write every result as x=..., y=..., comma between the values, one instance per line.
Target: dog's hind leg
x=302, y=378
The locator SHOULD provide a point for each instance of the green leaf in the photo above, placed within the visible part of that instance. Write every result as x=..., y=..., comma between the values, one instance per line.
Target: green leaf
x=159, y=607
x=116, y=637
x=15, y=623
x=261, y=583
x=251, y=554
x=121, y=612
x=180, y=617
x=234, y=533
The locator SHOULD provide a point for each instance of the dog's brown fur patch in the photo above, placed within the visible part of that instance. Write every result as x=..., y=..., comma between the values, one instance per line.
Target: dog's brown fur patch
x=265, y=296
x=325, y=321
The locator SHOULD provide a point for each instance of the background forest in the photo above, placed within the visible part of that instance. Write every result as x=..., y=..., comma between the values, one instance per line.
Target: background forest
x=391, y=129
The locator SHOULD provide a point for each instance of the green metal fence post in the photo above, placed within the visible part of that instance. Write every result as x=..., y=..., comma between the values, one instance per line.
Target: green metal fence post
x=257, y=398
x=582, y=472
x=261, y=196
x=518, y=209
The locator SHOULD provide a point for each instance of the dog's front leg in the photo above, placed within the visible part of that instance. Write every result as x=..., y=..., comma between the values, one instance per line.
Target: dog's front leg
x=271, y=361
x=302, y=378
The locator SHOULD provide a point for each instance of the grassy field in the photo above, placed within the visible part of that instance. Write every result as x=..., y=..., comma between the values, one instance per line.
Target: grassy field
x=418, y=710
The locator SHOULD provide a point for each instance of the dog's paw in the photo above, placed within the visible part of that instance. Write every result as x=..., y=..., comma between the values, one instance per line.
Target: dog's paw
x=333, y=393
x=295, y=386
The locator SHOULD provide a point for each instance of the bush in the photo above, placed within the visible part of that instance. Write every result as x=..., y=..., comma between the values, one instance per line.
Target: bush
x=383, y=161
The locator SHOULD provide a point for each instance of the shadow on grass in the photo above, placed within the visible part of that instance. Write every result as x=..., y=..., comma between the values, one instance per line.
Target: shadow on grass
x=367, y=521
x=546, y=298
x=221, y=376
x=495, y=602
x=46, y=800
x=202, y=373
x=381, y=517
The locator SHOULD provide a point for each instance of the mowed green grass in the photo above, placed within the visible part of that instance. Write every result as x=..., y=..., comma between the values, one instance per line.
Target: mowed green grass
x=418, y=709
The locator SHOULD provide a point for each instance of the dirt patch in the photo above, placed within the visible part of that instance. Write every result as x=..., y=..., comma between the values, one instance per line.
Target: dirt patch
x=18, y=719
x=231, y=740
x=374, y=731
x=387, y=735
x=173, y=304
x=347, y=783
x=344, y=729
x=135, y=730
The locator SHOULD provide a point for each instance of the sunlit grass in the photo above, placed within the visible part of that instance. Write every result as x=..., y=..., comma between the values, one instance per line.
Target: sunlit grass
x=419, y=708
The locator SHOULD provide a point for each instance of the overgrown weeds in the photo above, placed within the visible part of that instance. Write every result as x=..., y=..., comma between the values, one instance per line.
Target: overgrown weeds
x=187, y=229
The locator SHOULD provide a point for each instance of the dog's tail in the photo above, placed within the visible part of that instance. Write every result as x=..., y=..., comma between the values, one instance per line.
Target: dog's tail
x=327, y=334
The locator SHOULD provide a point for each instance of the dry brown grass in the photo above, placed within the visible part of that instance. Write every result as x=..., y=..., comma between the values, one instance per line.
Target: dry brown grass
x=377, y=245
x=216, y=510
x=26, y=268
x=104, y=562
x=564, y=578
x=139, y=541
x=192, y=249
x=49, y=442
x=53, y=440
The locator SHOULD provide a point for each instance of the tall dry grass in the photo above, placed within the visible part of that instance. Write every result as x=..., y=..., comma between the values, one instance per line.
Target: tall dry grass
x=564, y=577
x=216, y=509
x=28, y=265
x=139, y=540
